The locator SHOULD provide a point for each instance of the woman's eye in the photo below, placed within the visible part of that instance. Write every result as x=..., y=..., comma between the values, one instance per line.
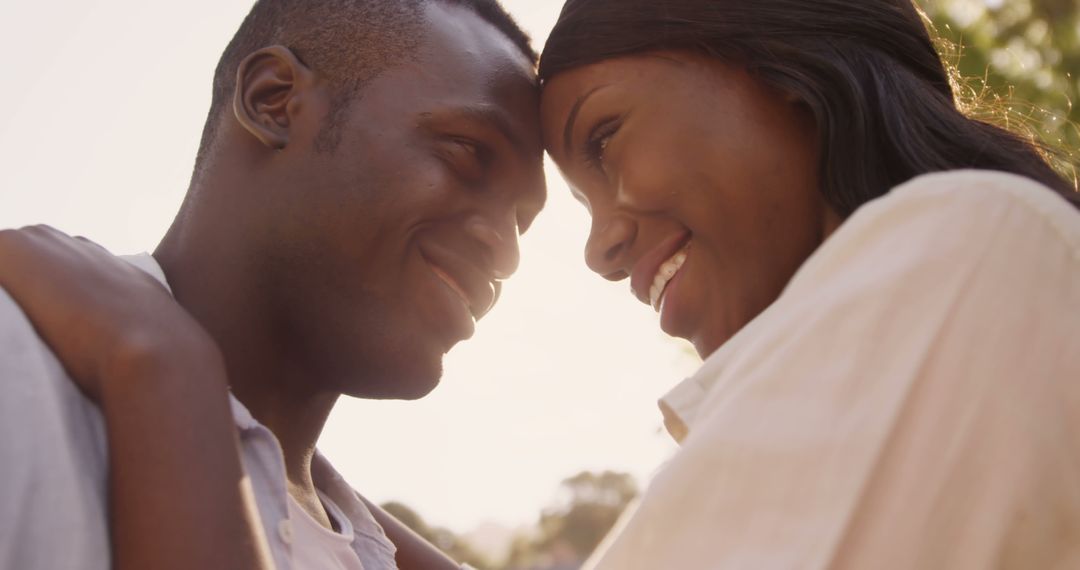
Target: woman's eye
x=597, y=142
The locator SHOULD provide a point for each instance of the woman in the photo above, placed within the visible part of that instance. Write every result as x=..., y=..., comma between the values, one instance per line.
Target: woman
x=891, y=354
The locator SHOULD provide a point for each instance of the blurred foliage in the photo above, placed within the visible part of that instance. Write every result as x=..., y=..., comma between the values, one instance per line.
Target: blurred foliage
x=1019, y=64
x=454, y=546
x=588, y=506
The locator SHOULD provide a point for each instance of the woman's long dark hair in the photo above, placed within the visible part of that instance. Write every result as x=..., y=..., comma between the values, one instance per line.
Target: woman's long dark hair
x=866, y=69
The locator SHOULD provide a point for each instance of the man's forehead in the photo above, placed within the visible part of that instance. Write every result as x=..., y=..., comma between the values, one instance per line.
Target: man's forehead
x=459, y=43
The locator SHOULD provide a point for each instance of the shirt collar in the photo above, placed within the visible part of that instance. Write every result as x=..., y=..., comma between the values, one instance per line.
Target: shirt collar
x=682, y=404
x=329, y=481
x=243, y=418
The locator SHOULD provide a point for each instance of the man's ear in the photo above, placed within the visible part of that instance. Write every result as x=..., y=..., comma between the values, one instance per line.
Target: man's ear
x=266, y=82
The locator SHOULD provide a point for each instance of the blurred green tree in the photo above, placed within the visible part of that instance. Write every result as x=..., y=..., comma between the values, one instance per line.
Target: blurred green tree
x=1021, y=59
x=588, y=505
x=454, y=546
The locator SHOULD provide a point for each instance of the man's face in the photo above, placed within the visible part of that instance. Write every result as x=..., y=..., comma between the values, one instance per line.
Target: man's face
x=380, y=254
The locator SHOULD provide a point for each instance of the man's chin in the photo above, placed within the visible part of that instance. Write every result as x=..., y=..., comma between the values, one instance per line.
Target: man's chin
x=411, y=383
x=409, y=390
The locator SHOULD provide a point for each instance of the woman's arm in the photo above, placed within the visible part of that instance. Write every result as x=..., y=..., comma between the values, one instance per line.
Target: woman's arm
x=177, y=491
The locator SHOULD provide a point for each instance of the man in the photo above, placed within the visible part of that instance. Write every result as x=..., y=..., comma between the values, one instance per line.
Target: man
x=365, y=170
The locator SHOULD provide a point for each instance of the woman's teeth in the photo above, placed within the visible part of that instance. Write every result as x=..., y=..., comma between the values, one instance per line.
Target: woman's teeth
x=667, y=271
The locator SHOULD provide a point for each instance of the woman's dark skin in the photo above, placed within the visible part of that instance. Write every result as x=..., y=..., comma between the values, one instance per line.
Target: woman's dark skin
x=675, y=146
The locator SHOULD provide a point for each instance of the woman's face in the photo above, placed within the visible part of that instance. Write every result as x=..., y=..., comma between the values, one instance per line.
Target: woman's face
x=702, y=184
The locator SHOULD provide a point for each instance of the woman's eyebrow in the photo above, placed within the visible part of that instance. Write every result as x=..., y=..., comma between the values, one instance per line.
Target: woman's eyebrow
x=568, y=130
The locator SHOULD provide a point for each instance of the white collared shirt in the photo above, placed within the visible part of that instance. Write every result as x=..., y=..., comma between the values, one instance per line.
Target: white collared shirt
x=911, y=401
x=53, y=475
x=316, y=547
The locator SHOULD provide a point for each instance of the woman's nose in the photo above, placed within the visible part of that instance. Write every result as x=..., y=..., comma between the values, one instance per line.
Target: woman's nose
x=609, y=244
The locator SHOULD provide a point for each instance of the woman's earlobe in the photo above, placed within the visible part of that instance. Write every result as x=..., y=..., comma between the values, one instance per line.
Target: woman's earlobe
x=266, y=81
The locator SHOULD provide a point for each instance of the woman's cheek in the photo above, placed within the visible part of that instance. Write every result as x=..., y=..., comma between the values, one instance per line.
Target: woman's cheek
x=647, y=179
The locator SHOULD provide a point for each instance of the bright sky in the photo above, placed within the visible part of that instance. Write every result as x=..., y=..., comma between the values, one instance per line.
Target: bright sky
x=103, y=107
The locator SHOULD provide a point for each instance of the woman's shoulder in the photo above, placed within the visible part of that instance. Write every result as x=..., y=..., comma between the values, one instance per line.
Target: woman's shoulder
x=958, y=224
x=1006, y=182
x=970, y=205
x=974, y=199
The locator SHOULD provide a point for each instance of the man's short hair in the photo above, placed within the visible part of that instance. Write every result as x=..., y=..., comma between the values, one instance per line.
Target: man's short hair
x=350, y=42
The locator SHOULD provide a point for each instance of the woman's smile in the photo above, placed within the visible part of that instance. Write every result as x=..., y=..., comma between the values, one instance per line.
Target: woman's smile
x=742, y=159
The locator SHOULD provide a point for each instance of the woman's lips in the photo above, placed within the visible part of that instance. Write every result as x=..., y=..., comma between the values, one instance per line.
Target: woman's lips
x=664, y=275
x=673, y=308
x=647, y=271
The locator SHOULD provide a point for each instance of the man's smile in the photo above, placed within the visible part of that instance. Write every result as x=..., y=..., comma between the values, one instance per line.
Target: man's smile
x=471, y=284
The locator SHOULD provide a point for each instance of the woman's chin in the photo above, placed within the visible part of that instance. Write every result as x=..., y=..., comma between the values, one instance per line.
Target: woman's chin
x=705, y=346
x=682, y=315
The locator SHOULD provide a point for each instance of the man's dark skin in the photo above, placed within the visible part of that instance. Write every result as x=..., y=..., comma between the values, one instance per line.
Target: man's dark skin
x=308, y=268
x=318, y=273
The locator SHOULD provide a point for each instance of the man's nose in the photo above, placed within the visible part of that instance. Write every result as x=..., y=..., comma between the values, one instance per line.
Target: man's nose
x=609, y=243
x=500, y=236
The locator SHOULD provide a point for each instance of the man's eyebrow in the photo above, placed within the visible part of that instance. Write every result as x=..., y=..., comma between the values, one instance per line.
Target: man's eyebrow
x=568, y=131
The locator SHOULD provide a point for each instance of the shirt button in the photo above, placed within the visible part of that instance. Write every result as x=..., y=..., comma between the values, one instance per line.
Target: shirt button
x=284, y=530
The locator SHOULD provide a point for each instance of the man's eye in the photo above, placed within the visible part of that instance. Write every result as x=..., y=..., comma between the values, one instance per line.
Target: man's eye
x=466, y=157
x=466, y=145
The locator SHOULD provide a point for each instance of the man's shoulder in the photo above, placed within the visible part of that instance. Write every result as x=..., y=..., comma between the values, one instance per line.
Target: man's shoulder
x=43, y=414
x=38, y=400
x=34, y=379
x=52, y=445
x=25, y=360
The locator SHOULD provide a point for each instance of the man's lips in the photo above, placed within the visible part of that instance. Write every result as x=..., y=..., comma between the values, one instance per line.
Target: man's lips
x=454, y=285
x=475, y=287
x=644, y=271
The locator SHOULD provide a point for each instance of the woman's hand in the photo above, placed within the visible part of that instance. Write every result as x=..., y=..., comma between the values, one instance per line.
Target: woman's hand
x=104, y=318
x=177, y=491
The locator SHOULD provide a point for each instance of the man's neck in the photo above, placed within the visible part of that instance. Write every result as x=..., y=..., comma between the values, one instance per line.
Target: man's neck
x=277, y=390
